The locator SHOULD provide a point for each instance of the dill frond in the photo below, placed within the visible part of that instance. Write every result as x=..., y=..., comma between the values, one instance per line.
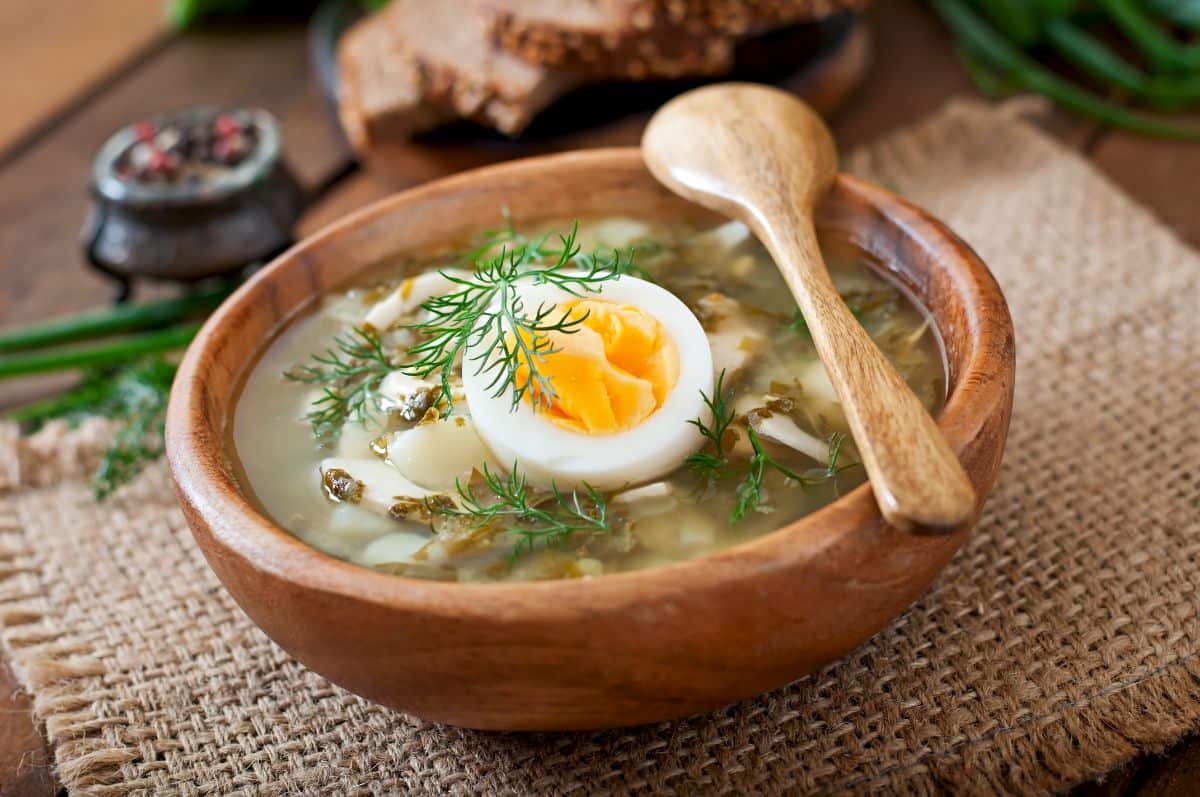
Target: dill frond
x=537, y=522
x=134, y=396
x=487, y=315
x=349, y=372
x=748, y=496
x=483, y=312
x=702, y=463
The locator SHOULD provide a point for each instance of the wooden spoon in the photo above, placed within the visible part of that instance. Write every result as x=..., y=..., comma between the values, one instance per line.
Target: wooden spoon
x=760, y=155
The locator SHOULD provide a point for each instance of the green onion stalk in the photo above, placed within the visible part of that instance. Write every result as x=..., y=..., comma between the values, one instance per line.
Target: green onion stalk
x=994, y=38
x=111, y=321
x=99, y=355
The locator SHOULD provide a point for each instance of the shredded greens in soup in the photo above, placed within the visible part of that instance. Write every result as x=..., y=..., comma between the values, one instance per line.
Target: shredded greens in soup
x=584, y=398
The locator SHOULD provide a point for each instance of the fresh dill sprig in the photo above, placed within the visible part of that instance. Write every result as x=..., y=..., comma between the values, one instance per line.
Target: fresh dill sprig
x=485, y=310
x=134, y=396
x=537, y=522
x=748, y=496
x=704, y=464
x=487, y=314
x=490, y=242
x=349, y=372
x=143, y=396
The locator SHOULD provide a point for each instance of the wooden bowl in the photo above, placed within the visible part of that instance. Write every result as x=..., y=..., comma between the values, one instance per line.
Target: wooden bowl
x=621, y=649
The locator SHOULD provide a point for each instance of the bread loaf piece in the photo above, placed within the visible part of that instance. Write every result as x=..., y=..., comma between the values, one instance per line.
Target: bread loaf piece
x=380, y=88
x=642, y=38
x=634, y=39
x=417, y=64
x=464, y=69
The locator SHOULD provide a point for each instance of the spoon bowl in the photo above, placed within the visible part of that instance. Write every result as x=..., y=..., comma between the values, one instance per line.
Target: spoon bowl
x=739, y=148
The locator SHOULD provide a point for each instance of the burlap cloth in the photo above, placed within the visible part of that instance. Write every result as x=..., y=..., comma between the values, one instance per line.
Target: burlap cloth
x=1062, y=640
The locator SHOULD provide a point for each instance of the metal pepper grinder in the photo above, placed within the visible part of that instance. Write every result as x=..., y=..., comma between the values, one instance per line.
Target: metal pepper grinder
x=190, y=195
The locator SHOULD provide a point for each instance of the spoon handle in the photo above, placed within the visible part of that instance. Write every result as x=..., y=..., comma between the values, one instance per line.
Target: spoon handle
x=918, y=481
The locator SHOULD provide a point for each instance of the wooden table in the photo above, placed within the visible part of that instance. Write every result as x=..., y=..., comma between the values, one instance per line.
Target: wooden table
x=81, y=77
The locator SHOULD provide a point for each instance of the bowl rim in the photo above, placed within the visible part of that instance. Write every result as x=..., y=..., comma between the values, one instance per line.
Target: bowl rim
x=205, y=485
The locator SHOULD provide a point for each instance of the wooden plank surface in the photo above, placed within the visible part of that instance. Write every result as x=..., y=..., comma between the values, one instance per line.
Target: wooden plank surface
x=25, y=769
x=43, y=199
x=1175, y=774
x=1163, y=175
x=53, y=51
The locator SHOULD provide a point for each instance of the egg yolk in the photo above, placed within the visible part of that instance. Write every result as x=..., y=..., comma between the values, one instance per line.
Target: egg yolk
x=612, y=372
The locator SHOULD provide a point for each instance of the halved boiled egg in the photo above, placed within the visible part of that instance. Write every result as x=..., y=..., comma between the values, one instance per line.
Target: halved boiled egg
x=626, y=383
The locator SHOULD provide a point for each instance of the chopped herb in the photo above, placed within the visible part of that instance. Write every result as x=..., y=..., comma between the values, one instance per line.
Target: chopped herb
x=637, y=250
x=350, y=373
x=704, y=464
x=415, y=405
x=340, y=486
x=418, y=509
x=490, y=242
x=537, y=522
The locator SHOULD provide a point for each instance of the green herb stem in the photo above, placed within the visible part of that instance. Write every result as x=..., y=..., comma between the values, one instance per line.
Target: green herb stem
x=122, y=318
x=1095, y=58
x=1182, y=13
x=138, y=402
x=98, y=355
x=1092, y=56
x=748, y=496
x=134, y=396
x=1016, y=19
x=707, y=465
x=78, y=399
x=987, y=80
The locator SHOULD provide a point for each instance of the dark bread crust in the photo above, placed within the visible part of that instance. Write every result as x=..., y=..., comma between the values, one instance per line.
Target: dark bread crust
x=640, y=39
x=741, y=17
x=633, y=39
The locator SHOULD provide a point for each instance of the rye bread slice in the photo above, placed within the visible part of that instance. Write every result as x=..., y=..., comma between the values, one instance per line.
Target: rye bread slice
x=380, y=88
x=417, y=64
x=635, y=39
x=642, y=38
x=466, y=72
x=740, y=17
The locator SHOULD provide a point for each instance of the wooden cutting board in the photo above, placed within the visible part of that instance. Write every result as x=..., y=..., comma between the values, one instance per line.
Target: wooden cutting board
x=822, y=63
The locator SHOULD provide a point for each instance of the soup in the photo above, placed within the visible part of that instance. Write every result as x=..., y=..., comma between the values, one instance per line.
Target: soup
x=581, y=399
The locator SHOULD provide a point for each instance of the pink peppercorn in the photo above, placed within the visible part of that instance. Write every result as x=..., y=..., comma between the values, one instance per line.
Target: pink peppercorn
x=226, y=125
x=144, y=131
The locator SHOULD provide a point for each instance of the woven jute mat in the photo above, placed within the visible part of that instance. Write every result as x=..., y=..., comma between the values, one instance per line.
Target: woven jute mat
x=1062, y=640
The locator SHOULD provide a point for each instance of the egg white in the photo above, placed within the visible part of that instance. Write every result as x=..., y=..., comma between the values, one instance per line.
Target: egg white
x=546, y=452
